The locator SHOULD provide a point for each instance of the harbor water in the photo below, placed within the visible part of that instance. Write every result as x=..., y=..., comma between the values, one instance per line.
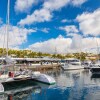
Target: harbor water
x=71, y=85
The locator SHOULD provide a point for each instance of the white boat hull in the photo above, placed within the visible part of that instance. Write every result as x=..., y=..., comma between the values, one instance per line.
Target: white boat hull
x=72, y=67
x=43, y=78
x=1, y=88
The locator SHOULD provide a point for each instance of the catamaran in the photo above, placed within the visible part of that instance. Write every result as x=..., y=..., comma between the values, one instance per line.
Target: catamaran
x=8, y=73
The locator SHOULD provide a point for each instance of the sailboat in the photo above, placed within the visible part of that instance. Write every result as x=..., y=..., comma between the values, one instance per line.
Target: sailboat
x=8, y=76
x=95, y=67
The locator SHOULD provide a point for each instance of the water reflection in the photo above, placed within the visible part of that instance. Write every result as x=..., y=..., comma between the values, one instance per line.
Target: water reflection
x=95, y=76
x=20, y=91
x=26, y=90
x=78, y=85
x=23, y=94
x=71, y=85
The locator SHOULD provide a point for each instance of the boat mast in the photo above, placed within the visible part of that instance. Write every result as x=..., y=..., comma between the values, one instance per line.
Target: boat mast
x=8, y=16
x=97, y=50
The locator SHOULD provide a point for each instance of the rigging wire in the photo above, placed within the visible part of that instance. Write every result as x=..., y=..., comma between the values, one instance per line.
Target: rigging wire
x=97, y=47
x=4, y=43
x=4, y=37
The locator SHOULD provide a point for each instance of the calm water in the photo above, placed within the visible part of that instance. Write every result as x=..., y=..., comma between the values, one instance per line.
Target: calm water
x=71, y=85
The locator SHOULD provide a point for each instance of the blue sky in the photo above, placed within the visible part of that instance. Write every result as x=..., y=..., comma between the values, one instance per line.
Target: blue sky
x=43, y=25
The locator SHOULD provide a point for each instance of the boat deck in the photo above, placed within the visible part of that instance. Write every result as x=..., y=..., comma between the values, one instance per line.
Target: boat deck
x=16, y=79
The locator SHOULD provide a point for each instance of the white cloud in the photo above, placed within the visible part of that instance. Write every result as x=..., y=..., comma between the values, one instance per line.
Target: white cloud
x=17, y=35
x=45, y=13
x=60, y=43
x=65, y=20
x=53, y=5
x=77, y=2
x=1, y=22
x=71, y=29
x=95, y=42
x=76, y=42
x=89, y=23
x=38, y=16
x=65, y=45
x=84, y=44
x=45, y=30
x=24, y=5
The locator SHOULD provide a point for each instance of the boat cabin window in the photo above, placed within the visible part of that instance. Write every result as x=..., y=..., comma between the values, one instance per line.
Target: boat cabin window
x=74, y=64
x=75, y=61
x=72, y=61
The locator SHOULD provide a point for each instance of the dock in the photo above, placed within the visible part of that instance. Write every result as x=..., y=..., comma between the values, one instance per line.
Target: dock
x=41, y=68
x=44, y=67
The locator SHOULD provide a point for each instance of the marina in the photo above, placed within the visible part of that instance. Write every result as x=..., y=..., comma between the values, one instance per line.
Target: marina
x=49, y=50
x=14, y=73
x=68, y=85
